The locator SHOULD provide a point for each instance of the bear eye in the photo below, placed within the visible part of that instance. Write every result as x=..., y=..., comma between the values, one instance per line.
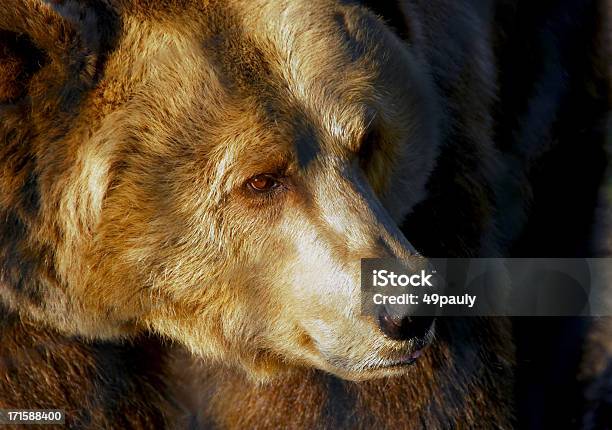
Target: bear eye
x=263, y=183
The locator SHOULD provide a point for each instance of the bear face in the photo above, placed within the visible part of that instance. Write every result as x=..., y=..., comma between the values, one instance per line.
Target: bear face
x=221, y=179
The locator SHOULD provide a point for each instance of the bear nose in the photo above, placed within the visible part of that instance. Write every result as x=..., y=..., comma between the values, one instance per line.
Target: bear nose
x=404, y=327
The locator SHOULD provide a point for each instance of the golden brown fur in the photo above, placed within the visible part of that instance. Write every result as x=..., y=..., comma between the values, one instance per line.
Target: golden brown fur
x=97, y=384
x=169, y=173
x=444, y=390
x=129, y=132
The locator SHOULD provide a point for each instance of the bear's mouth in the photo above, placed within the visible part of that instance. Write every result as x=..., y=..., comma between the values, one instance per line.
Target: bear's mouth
x=407, y=356
x=404, y=360
x=398, y=361
x=410, y=355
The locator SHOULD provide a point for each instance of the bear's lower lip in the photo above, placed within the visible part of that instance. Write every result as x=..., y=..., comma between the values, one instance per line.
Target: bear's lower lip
x=410, y=358
x=405, y=360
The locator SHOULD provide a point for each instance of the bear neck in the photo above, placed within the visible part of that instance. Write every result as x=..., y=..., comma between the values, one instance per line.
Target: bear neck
x=453, y=382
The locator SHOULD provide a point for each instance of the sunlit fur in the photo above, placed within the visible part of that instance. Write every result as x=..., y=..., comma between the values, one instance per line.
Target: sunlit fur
x=139, y=220
x=157, y=229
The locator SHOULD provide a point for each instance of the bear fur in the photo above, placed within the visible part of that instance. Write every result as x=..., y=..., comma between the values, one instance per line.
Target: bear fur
x=145, y=287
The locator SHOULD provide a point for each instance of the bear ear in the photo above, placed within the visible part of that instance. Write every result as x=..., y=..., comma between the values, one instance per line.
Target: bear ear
x=65, y=37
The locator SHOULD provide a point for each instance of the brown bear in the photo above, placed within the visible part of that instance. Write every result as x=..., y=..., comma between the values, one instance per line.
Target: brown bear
x=211, y=173
x=186, y=191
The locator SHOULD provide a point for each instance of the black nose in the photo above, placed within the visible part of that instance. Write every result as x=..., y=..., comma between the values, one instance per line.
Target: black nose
x=404, y=328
